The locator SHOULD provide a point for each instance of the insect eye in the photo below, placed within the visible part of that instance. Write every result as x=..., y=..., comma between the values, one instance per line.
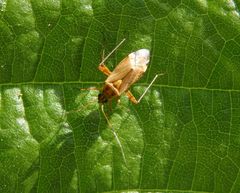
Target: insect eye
x=100, y=96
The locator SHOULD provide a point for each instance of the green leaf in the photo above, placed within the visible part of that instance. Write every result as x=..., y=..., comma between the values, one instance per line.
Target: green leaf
x=184, y=136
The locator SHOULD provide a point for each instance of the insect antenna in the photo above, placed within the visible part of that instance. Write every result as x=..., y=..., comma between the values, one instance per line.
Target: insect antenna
x=81, y=109
x=93, y=101
x=148, y=87
x=115, y=134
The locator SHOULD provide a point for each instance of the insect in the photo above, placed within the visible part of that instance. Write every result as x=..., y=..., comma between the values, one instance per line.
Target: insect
x=118, y=82
x=126, y=73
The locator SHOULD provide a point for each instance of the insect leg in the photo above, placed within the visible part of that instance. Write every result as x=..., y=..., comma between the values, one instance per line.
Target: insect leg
x=102, y=66
x=112, y=52
x=104, y=69
x=148, y=87
x=131, y=97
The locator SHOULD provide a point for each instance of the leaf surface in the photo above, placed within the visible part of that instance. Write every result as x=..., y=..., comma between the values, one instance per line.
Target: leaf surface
x=184, y=136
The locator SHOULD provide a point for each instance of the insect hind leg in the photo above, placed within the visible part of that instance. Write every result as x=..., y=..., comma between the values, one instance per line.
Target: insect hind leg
x=131, y=97
x=138, y=101
x=102, y=66
x=104, y=69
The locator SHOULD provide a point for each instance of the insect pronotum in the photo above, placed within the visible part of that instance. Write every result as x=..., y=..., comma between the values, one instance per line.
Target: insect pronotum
x=118, y=82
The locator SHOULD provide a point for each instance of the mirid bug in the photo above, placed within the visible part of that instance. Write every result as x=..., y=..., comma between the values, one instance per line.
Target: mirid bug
x=118, y=82
x=126, y=73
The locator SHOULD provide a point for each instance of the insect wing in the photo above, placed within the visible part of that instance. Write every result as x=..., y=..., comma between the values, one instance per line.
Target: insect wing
x=121, y=70
x=138, y=61
x=140, y=58
x=135, y=60
x=130, y=79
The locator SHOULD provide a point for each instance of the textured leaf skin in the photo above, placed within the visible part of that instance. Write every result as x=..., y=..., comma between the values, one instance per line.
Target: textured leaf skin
x=184, y=136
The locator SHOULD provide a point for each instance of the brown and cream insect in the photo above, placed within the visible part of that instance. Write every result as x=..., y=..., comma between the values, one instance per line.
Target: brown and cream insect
x=119, y=81
x=126, y=73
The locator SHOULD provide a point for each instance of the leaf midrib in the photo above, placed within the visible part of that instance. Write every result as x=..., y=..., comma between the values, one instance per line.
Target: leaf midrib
x=136, y=84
